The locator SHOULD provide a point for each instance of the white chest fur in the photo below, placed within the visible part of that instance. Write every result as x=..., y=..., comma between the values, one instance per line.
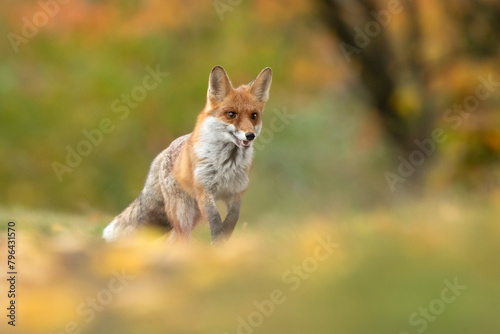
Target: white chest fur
x=222, y=166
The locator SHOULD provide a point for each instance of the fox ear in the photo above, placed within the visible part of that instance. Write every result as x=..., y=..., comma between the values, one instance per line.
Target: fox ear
x=261, y=85
x=219, y=85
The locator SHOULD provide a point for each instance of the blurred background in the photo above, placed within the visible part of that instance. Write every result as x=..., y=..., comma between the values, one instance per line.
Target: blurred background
x=382, y=129
x=361, y=81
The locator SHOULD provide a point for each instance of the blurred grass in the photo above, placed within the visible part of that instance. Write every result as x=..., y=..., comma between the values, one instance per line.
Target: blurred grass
x=388, y=264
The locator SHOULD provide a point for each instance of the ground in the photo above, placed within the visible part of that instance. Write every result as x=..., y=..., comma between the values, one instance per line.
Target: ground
x=431, y=266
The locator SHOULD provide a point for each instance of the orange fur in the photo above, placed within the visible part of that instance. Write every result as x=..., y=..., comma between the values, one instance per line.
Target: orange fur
x=239, y=99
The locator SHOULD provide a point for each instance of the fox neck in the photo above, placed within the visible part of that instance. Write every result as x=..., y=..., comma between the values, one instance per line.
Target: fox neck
x=222, y=166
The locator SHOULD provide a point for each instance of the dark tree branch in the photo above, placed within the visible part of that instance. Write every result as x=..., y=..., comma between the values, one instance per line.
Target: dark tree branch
x=374, y=62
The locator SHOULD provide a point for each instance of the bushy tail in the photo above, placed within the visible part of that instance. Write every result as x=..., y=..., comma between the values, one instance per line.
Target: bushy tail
x=123, y=224
x=143, y=211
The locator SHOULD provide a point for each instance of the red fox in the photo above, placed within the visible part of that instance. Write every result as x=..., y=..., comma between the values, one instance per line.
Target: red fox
x=211, y=163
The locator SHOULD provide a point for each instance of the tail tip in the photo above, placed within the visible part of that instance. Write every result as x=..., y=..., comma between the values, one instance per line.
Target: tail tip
x=109, y=232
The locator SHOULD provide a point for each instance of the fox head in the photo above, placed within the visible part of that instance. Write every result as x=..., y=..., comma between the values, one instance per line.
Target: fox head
x=235, y=114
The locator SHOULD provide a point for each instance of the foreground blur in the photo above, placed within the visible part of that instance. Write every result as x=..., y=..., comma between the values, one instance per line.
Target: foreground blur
x=429, y=266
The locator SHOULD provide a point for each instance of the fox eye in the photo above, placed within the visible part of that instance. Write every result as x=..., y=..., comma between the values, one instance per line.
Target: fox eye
x=231, y=114
x=254, y=116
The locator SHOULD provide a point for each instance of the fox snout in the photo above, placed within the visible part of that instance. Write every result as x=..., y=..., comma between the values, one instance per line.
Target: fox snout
x=250, y=136
x=243, y=139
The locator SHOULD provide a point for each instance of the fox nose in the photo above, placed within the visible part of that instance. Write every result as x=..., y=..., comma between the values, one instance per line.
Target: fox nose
x=250, y=136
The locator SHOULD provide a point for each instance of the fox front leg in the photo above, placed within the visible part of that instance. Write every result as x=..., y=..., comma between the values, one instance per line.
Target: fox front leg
x=207, y=206
x=233, y=213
